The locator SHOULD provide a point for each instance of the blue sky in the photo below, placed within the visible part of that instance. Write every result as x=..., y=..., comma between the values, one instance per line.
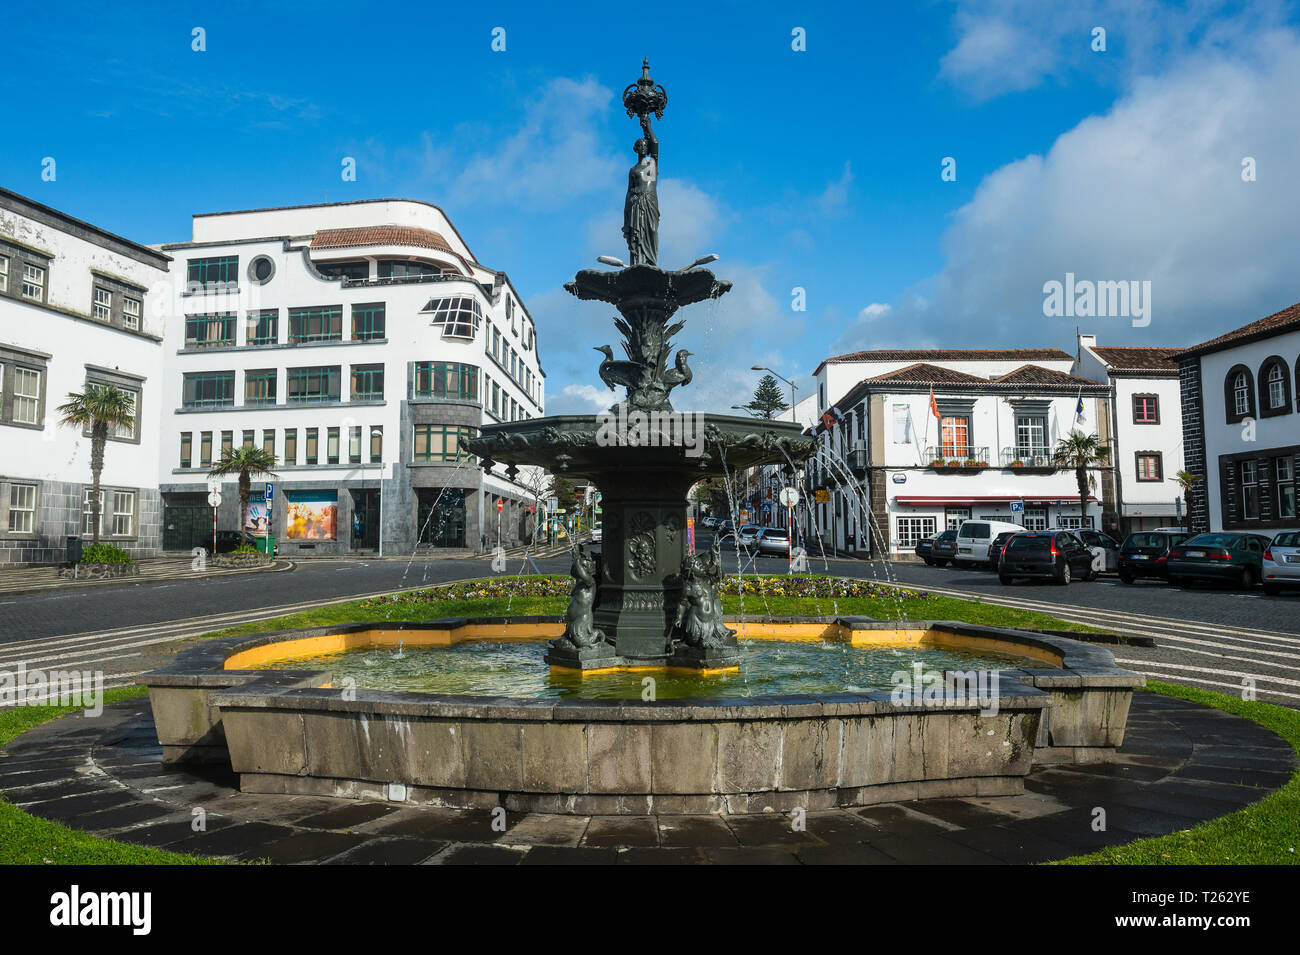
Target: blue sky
x=817, y=169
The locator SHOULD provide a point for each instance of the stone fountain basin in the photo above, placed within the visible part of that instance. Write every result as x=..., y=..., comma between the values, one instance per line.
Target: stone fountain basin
x=288, y=732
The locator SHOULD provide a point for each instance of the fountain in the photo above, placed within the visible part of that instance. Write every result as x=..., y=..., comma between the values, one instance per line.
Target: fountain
x=549, y=714
x=645, y=601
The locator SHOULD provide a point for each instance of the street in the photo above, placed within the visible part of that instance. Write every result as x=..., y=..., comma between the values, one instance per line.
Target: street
x=1206, y=637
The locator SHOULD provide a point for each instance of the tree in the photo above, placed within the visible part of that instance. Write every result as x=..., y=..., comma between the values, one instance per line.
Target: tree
x=1187, y=480
x=769, y=400
x=247, y=463
x=1078, y=452
x=99, y=408
x=563, y=492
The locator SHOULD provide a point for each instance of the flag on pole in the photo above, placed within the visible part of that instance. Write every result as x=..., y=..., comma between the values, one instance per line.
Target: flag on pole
x=831, y=417
x=934, y=406
x=1079, y=417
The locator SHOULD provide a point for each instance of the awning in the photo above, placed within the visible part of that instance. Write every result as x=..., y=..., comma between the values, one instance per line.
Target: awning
x=1149, y=510
x=941, y=501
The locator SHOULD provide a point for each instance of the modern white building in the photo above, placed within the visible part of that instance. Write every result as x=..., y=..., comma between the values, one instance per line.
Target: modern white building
x=77, y=307
x=361, y=343
x=1145, y=408
x=890, y=472
x=1241, y=425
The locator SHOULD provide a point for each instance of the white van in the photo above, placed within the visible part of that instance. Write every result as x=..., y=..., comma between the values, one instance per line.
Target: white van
x=974, y=538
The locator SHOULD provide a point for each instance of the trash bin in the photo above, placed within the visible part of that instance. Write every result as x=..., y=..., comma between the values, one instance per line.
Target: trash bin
x=74, y=549
x=266, y=545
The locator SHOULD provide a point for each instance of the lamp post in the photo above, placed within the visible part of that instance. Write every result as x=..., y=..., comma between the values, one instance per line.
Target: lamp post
x=783, y=378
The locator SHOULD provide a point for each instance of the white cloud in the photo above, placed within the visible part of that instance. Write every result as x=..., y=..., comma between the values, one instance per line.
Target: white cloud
x=1152, y=190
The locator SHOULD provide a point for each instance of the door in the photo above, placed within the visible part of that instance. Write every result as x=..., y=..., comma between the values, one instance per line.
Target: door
x=440, y=513
x=365, y=519
x=186, y=519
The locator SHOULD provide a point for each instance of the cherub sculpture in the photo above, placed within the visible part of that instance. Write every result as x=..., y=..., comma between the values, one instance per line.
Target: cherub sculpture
x=698, y=621
x=579, y=627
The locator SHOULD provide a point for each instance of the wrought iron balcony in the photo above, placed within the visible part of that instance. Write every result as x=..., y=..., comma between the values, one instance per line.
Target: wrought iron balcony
x=957, y=456
x=1027, y=457
x=858, y=460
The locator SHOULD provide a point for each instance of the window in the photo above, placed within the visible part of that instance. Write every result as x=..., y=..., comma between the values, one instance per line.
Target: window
x=441, y=442
x=268, y=441
x=4, y=273
x=1239, y=394
x=458, y=317
x=445, y=379
x=368, y=321
x=510, y=316
x=205, y=449
x=400, y=269
x=1035, y=519
x=1031, y=440
x=322, y=323
x=953, y=517
x=354, y=444
x=332, y=446
x=913, y=529
x=1146, y=409
x=290, y=446
x=123, y=513
x=262, y=327
x=209, y=389
x=127, y=432
x=249, y=437
x=260, y=386
x=1284, y=475
x=367, y=382
x=33, y=282
x=261, y=270
x=130, y=312
x=1274, y=387
x=353, y=271
x=376, y=444
x=227, y=443
x=88, y=514
x=102, y=310
x=187, y=448
x=955, y=433
x=313, y=385
x=218, y=272
x=210, y=331
x=313, y=447
x=27, y=396
x=1149, y=466
x=1249, y=473
x=22, y=508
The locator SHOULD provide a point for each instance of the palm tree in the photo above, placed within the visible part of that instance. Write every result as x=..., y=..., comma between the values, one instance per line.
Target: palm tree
x=247, y=463
x=1078, y=452
x=99, y=408
x=1187, y=480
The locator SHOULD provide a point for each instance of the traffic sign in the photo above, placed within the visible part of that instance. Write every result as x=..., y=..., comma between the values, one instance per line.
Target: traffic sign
x=789, y=496
x=500, y=505
x=214, y=484
x=270, y=491
x=214, y=498
x=1017, y=507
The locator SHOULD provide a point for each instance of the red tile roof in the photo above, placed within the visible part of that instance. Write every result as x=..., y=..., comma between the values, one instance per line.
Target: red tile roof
x=924, y=372
x=379, y=235
x=1135, y=358
x=1286, y=320
x=1038, y=375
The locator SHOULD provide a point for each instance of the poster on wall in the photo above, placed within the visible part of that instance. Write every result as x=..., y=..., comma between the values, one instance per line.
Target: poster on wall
x=312, y=515
x=256, y=519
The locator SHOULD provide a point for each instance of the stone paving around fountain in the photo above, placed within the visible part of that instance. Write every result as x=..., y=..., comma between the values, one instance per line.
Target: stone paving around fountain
x=1181, y=763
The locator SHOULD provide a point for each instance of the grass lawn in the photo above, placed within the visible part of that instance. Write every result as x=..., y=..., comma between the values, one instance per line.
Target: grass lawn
x=1267, y=833
x=28, y=840
x=434, y=602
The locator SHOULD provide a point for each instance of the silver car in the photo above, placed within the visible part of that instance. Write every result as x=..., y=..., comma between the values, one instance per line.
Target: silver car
x=1281, y=564
x=772, y=542
x=1105, y=549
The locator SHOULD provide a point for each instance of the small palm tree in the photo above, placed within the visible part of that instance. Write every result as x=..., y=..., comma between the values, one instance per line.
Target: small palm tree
x=99, y=408
x=1078, y=452
x=1187, y=480
x=247, y=463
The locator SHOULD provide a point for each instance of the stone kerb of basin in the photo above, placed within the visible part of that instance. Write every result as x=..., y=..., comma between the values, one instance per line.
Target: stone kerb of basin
x=286, y=731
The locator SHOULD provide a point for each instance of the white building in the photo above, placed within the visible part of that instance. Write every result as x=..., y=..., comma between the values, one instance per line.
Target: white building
x=75, y=310
x=361, y=343
x=1241, y=425
x=1001, y=413
x=1145, y=407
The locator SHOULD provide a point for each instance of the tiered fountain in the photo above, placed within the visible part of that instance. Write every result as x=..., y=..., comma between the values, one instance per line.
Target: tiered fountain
x=644, y=601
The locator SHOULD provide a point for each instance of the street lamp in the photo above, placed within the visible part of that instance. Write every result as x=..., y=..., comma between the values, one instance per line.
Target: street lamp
x=786, y=380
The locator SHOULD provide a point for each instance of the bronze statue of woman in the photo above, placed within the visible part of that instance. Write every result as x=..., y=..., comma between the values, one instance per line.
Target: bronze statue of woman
x=641, y=209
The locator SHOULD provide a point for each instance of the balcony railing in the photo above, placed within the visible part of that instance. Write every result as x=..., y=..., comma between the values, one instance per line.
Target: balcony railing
x=957, y=456
x=1027, y=457
x=406, y=280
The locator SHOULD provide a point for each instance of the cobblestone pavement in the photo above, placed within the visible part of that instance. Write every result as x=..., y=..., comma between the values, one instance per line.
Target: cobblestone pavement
x=1181, y=763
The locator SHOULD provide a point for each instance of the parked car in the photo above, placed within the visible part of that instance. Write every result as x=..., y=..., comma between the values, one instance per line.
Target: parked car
x=226, y=542
x=1054, y=555
x=772, y=542
x=1105, y=549
x=974, y=538
x=998, y=547
x=922, y=549
x=708, y=523
x=596, y=533
x=1146, y=554
x=944, y=549
x=1281, y=564
x=1228, y=556
x=742, y=537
